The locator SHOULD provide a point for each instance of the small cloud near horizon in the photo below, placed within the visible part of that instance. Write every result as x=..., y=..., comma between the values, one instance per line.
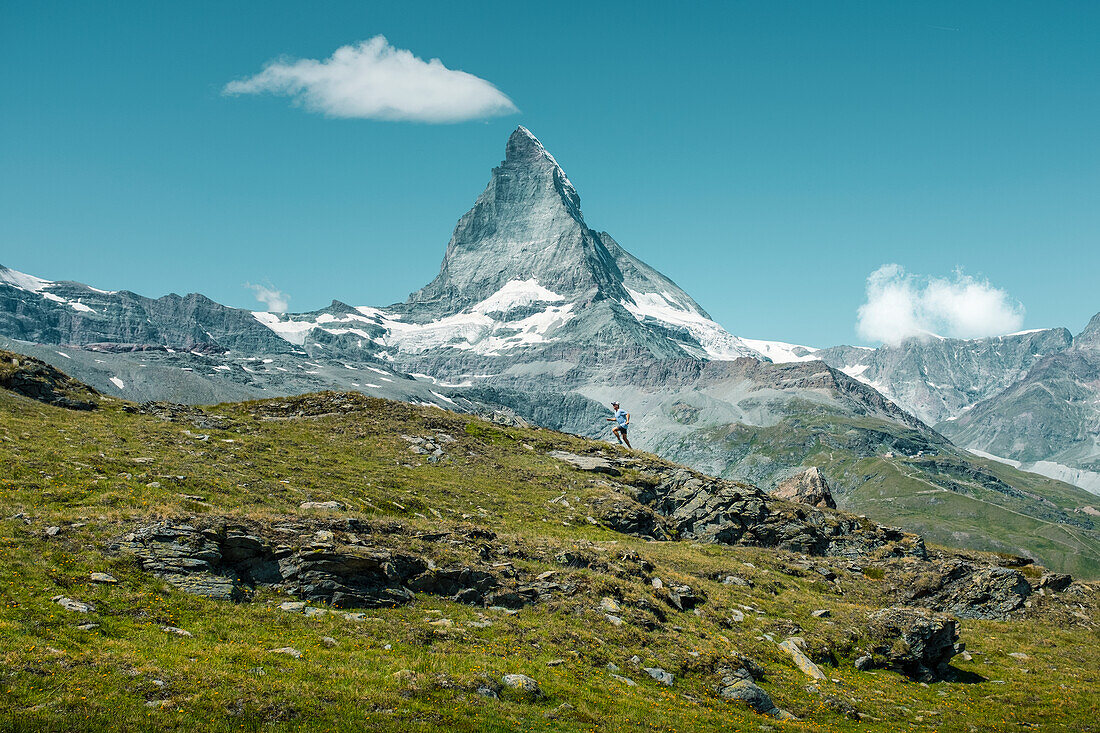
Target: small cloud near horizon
x=276, y=300
x=374, y=80
x=901, y=305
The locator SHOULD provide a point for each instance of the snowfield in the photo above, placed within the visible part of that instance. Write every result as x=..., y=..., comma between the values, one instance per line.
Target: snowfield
x=471, y=330
x=717, y=342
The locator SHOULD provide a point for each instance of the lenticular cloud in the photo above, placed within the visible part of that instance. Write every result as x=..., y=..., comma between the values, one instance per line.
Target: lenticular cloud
x=901, y=306
x=374, y=80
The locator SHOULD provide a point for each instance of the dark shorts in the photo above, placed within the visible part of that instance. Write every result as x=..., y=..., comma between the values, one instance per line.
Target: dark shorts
x=621, y=429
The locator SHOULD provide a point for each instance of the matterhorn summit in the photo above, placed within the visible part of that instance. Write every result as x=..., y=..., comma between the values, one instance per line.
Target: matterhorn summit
x=525, y=259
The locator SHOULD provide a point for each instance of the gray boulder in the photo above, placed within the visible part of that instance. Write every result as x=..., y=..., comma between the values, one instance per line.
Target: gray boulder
x=913, y=641
x=70, y=604
x=665, y=678
x=1055, y=582
x=808, y=487
x=742, y=689
x=594, y=464
x=523, y=686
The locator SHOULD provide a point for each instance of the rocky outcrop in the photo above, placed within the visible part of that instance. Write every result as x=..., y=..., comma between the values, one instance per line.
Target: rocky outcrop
x=914, y=641
x=808, y=487
x=38, y=380
x=227, y=562
x=1055, y=582
x=701, y=508
x=964, y=589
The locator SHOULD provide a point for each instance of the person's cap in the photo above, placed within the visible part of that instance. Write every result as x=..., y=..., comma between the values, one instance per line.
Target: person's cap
x=614, y=404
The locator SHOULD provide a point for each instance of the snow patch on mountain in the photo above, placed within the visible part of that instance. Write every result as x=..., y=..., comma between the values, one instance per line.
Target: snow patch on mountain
x=294, y=332
x=471, y=330
x=22, y=280
x=717, y=342
x=517, y=294
x=1087, y=480
x=780, y=352
x=38, y=286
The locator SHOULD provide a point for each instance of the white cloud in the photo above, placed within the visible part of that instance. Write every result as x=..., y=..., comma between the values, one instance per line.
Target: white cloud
x=900, y=306
x=374, y=80
x=276, y=300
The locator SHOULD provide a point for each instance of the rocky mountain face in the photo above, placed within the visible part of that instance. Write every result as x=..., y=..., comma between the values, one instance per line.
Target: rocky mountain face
x=937, y=379
x=1049, y=420
x=40, y=311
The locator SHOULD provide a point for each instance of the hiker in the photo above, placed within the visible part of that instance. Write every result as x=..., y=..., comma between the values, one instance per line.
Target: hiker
x=622, y=417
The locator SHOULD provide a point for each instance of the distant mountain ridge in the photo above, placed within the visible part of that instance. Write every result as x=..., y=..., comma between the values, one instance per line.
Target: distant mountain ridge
x=1028, y=399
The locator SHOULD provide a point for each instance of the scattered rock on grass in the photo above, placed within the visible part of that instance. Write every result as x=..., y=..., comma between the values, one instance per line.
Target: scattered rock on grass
x=523, y=685
x=914, y=641
x=558, y=712
x=586, y=463
x=70, y=604
x=287, y=650
x=793, y=646
x=665, y=678
x=176, y=630
x=746, y=691
x=321, y=505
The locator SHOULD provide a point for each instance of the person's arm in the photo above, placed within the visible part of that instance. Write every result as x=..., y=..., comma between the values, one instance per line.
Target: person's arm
x=628, y=418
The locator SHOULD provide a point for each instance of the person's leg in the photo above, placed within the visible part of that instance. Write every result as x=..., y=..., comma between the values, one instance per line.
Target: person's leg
x=618, y=435
x=627, y=441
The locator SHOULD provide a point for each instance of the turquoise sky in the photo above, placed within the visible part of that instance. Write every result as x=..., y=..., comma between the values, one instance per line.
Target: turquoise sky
x=768, y=156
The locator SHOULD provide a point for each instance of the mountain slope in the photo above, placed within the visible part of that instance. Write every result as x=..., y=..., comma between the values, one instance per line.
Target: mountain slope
x=167, y=570
x=1048, y=421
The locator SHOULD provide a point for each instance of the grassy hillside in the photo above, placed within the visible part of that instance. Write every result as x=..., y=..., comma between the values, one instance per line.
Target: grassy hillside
x=901, y=477
x=73, y=484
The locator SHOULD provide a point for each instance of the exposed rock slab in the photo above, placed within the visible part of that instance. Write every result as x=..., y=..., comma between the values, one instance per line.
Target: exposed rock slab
x=808, y=487
x=800, y=659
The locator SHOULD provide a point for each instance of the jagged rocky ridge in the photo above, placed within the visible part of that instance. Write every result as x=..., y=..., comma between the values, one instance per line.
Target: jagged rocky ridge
x=1049, y=420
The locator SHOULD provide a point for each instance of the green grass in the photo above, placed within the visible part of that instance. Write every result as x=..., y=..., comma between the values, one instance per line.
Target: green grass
x=110, y=470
